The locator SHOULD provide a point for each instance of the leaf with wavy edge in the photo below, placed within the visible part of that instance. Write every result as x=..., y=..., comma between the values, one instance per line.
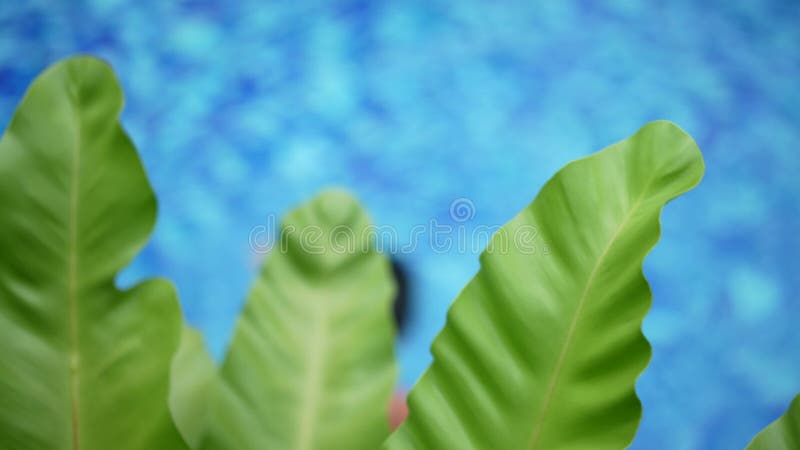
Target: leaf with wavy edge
x=542, y=348
x=83, y=365
x=311, y=363
x=783, y=434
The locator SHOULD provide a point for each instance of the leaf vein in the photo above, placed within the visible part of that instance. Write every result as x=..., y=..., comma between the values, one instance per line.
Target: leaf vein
x=574, y=323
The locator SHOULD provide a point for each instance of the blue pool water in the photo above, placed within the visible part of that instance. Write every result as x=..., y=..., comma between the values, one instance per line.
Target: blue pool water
x=242, y=111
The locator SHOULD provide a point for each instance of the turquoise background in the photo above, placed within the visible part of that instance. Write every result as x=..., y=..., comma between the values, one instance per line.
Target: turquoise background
x=243, y=109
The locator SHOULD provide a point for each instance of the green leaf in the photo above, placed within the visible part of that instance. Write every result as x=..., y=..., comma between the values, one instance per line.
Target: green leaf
x=783, y=434
x=542, y=348
x=192, y=382
x=83, y=365
x=311, y=362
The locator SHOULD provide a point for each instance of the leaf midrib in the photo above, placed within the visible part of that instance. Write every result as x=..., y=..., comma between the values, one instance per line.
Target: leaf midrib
x=313, y=381
x=72, y=280
x=573, y=324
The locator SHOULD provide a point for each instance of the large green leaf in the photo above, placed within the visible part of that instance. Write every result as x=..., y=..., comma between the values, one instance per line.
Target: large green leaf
x=83, y=365
x=783, y=434
x=311, y=362
x=542, y=348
